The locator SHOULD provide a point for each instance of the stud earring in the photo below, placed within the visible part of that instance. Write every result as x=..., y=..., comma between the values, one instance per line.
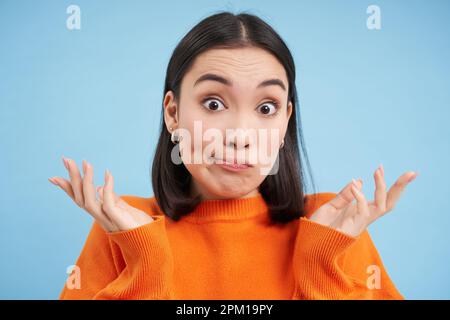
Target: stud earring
x=175, y=138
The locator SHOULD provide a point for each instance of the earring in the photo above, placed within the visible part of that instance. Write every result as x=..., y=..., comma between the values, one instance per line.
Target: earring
x=282, y=143
x=177, y=139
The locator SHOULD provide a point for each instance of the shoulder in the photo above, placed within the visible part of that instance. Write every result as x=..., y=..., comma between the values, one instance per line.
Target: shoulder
x=149, y=205
x=314, y=201
x=146, y=204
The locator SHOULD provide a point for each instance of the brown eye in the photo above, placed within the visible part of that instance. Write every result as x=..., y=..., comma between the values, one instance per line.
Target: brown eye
x=268, y=108
x=213, y=104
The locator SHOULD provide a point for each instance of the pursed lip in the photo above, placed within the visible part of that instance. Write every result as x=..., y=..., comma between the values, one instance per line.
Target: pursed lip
x=233, y=163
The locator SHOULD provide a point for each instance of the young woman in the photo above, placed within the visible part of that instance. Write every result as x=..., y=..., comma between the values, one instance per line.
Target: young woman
x=227, y=227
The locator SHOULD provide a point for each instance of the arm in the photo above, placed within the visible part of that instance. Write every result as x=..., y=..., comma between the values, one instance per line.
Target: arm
x=329, y=264
x=149, y=264
x=131, y=264
x=127, y=253
x=334, y=255
x=99, y=263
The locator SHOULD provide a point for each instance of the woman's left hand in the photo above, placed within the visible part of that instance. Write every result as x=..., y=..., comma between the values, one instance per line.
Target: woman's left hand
x=351, y=218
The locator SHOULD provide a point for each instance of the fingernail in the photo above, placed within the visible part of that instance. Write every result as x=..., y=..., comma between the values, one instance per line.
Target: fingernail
x=354, y=183
x=382, y=169
x=106, y=175
x=85, y=166
x=65, y=162
x=413, y=177
x=354, y=187
x=53, y=181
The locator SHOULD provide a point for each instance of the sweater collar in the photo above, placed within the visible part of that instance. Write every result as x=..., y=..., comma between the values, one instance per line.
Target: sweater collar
x=229, y=209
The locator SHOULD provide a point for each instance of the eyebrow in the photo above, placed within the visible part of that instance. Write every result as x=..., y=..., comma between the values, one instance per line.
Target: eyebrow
x=220, y=79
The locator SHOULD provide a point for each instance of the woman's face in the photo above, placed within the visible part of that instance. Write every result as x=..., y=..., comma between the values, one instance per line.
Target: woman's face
x=229, y=112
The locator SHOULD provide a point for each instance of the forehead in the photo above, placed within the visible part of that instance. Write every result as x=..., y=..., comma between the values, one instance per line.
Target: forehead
x=242, y=65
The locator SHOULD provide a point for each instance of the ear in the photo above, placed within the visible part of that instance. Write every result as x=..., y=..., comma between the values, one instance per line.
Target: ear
x=170, y=111
x=288, y=114
x=289, y=110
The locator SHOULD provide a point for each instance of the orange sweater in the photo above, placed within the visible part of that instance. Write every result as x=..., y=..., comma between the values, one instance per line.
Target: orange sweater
x=226, y=249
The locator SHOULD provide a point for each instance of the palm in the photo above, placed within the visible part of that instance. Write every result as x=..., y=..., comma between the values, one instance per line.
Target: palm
x=110, y=211
x=130, y=217
x=342, y=214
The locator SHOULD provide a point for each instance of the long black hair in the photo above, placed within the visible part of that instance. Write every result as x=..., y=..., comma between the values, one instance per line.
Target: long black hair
x=283, y=192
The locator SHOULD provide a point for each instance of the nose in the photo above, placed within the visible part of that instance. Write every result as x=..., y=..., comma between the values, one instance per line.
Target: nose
x=241, y=133
x=238, y=138
x=238, y=145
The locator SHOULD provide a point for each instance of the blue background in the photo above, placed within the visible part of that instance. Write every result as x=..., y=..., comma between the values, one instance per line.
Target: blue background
x=366, y=97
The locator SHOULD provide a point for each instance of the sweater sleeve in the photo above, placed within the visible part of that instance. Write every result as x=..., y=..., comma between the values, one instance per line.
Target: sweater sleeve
x=329, y=264
x=131, y=264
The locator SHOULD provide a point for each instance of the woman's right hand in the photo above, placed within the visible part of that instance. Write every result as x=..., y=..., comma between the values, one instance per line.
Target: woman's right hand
x=110, y=211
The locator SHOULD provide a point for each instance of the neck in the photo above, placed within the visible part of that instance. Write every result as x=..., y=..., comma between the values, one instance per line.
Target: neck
x=206, y=195
x=234, y=209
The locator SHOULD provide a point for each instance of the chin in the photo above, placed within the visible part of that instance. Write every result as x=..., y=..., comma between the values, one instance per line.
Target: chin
x=218, y=183
x=225, y=191
x=233, y=195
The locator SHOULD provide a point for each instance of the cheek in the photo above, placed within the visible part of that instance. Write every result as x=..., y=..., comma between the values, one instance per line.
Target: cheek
x=201, y=134
x=270, y=138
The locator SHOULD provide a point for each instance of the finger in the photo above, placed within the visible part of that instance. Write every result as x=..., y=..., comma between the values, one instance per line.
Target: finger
x=53, y=181
x=363, y=212
x=397, y=188
x=380, y=190
x=76, y=181
x=100, y=194
x=118, y=199
x=345, y=196
x=90, y=202
x=109, y=204
x=65, y=185
x=88, y=186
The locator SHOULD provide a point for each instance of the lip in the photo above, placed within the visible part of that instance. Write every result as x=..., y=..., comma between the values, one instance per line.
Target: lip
x=232, y=166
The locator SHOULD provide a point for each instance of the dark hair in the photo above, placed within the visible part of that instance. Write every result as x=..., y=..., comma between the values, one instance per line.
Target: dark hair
x=283, y=192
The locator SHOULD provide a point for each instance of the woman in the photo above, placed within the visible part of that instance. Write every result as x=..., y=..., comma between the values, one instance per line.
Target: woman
x=230, y=226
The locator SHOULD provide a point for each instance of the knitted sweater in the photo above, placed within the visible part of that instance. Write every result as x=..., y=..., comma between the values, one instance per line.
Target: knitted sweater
x=228, y=249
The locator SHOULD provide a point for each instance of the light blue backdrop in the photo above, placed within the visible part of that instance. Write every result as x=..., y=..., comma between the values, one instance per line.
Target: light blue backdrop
x=367, y=97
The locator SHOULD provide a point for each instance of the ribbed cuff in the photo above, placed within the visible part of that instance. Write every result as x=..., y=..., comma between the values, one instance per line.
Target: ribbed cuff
x=149, y=261
x=321, y=239
x=146, y=240
x=317, y=272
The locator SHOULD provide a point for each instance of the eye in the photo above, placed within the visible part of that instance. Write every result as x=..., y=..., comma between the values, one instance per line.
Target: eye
x=268, y=108
x=213, y=104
